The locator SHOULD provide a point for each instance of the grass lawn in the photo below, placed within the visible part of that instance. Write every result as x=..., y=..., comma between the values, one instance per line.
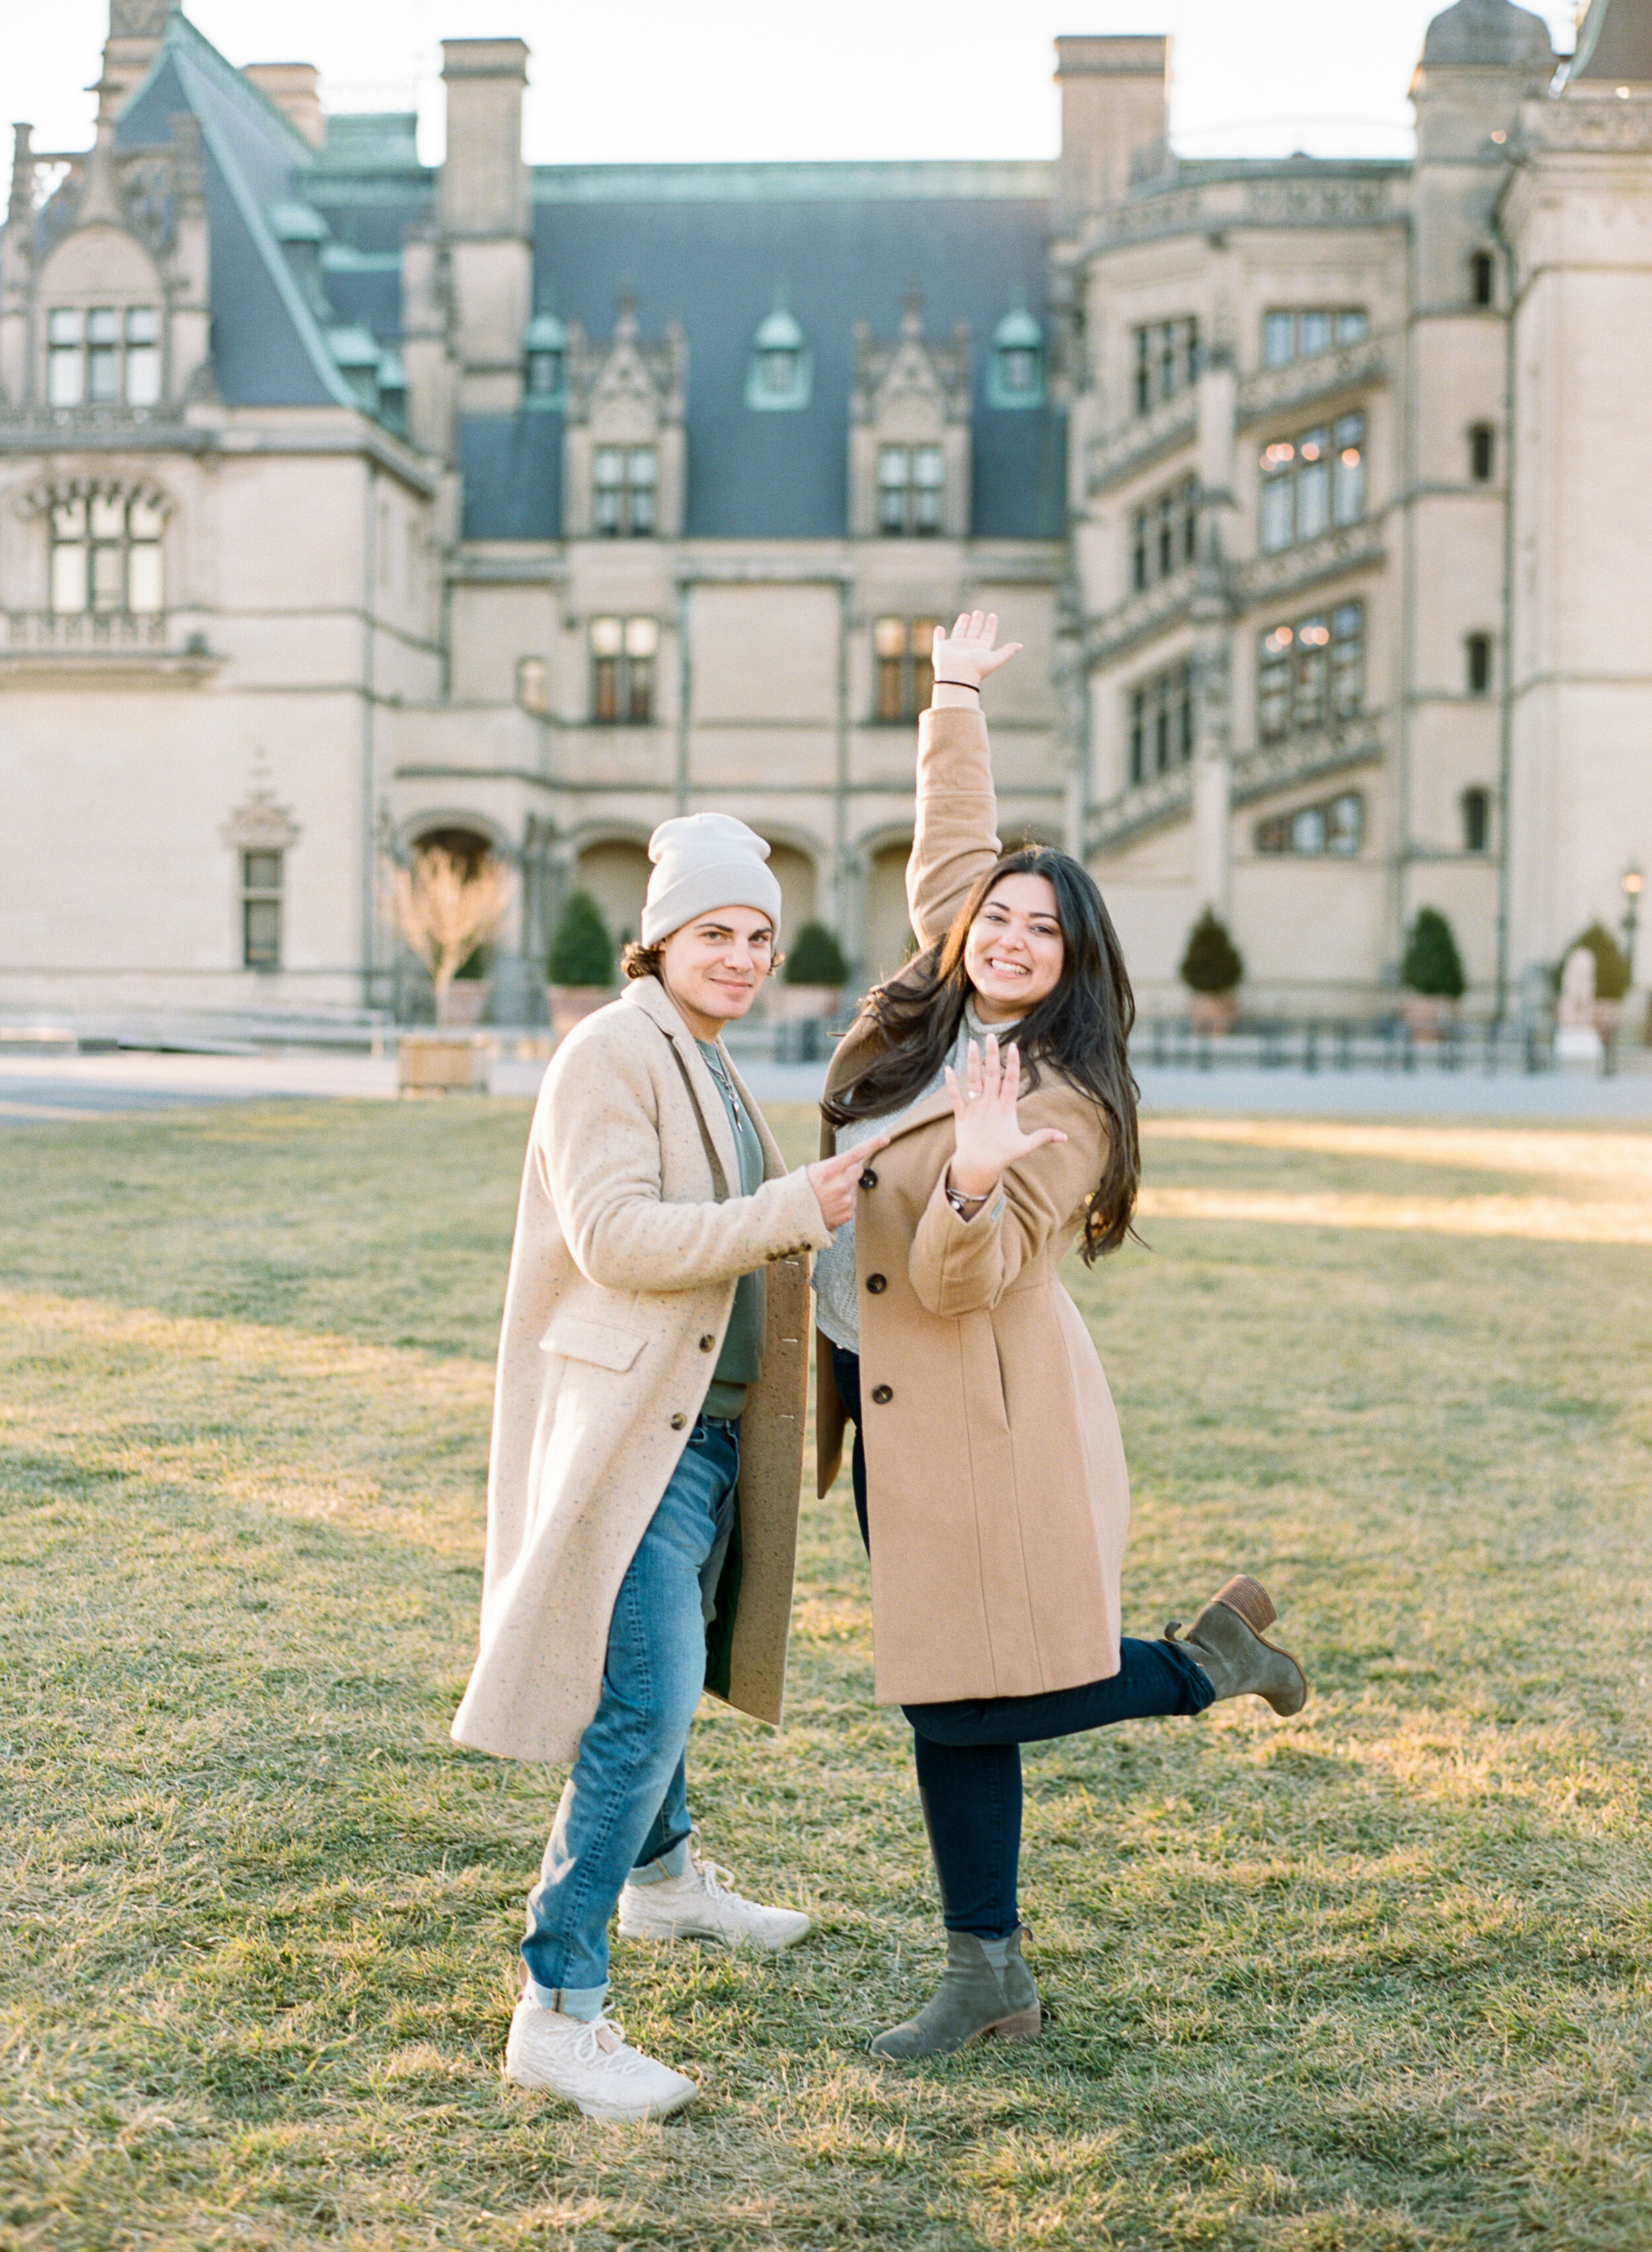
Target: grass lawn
x=1373, y=1979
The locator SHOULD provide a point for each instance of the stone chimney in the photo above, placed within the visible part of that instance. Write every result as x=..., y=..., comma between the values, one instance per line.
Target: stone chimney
x=1112, y=109
x=296, y=90
x=136, y=28
x=484, y=182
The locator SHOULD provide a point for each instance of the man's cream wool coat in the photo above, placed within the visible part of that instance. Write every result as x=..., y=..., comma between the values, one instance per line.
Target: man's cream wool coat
x=998, y=1498
x=622, y=1283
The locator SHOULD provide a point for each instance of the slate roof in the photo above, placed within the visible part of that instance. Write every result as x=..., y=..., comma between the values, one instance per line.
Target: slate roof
x=712, y=246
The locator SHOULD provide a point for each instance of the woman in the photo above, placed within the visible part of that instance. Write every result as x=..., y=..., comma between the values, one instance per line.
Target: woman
x=988, y=1473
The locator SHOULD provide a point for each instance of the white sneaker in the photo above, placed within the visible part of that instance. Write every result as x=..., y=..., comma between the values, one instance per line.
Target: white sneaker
x=590, y=2063
x=695, y=1906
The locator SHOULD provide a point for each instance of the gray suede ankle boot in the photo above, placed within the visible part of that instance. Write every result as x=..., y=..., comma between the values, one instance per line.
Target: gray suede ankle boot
x=976, y=1997
x=1225, y=1642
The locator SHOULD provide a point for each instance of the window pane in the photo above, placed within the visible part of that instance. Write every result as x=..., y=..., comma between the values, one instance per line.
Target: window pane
x=68, y=519
x=927, y=466
x=142, y=325
x=607, y=508
x=260, y=872
x=1315, y=334
x=1274, y=688
x=923, y=637
x=604, y=688
x=1274, y=836
x=639, y=700
x=109, y=578
x=65, y=371
x=642, y=636
x=1313, y=496
x=643, y=516
x=892, y=509
x=889, y=636
x=1279, y=339
x=108, y=515
x=142, y=577
x=889, y=688
x=1344, y=822
x=641, y=466
x=143, y=375
x=608, y=636
x=102, y=369
x=1351, y=324
x=261, y=933
x=1307, y=830
x=1276, y=523
x=925, y=511
x=63, y=325
x=892, y=468
x=545, y=371
x=69, y=579
x=104, y=325
x=1351, y=469
x=144, y=518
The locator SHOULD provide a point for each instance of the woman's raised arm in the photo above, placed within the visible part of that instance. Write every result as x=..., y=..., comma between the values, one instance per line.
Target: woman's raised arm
x=956, y=837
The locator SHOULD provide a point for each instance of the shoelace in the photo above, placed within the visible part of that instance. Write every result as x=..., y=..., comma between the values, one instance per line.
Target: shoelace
x=716, y=1877
x=602, y=2042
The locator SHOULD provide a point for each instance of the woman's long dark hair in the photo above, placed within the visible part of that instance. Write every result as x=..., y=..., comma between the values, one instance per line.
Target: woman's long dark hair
x=1080, y=1032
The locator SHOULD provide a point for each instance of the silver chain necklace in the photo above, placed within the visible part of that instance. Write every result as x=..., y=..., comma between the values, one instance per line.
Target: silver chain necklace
x=714, y=1065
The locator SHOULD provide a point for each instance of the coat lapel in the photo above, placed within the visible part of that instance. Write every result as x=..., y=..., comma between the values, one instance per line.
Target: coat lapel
x=649, y=995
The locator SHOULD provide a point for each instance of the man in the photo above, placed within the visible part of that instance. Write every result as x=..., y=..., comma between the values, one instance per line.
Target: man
x=647, y=1453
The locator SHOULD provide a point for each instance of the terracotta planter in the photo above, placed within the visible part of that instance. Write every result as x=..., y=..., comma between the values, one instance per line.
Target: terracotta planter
x=463, y=1003
x=1607, y=1015
x=799, y=1004
x=428, y=1064
x=1212, y=1012
x=568, y=1004
x=1429, y=1016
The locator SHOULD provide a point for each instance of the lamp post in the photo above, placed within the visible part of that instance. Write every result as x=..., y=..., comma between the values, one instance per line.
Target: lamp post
x=1632, y=880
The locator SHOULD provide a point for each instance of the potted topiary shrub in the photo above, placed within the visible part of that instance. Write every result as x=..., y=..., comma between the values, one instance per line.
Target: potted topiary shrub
x=580, y=970
x=1433, y=976
x=812, y=978
x=1211, y=970
x=1611, y=976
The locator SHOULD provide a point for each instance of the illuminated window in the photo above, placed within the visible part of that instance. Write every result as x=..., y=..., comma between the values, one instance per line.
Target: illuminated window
x=1164, y=534
x=1167, y=361
x=622, y=657
x=1161, y=723
x=262, y=874
x=1304, y=331
x=1336, y=825
x=902, y=665
x=911, y=488
x=1310, y=482
x=625, y=499
x=1311, y=673
x=106, y=552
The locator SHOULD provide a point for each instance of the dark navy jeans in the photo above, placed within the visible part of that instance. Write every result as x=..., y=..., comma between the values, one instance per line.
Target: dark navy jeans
x=968, y=1754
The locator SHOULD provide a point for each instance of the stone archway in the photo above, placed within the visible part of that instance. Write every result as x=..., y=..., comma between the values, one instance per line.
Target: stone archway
x=888, y=928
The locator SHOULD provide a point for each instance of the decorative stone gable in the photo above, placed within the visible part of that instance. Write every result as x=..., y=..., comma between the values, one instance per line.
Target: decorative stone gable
x=259, y=824
x=625, y=400
x=909, y=403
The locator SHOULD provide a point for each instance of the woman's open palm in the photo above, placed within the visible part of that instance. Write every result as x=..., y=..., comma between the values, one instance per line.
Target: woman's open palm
x=989, y=1136
x=967, y=653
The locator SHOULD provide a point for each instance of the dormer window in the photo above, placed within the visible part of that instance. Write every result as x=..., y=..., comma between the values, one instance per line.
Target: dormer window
x=778, y=374
x=1015, y=375
x=544, y=361
x=625, y=492
x=106, y=552
x=103, y=356
x=911, y=488
x=392, y=390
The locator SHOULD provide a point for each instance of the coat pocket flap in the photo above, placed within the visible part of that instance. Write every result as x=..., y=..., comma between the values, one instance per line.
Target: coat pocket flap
x=594, y=1341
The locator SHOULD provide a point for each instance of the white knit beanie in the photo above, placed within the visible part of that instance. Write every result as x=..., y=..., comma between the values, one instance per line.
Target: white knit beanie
x=704, y=860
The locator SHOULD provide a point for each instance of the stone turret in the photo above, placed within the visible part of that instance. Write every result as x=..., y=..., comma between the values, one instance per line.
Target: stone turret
x=136, y=28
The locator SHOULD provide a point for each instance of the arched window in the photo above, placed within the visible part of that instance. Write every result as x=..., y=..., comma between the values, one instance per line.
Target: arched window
x=544, y=358
x=1015, y=374
x=778, y=374
x=105, y=550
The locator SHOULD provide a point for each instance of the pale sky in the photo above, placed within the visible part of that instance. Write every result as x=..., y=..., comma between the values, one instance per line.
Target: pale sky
x=655, y=80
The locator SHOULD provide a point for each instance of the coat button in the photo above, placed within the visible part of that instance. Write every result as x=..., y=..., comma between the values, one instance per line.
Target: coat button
x=882, y=1394
x=877, y=1282
x=707, y=1342
x=868, y=1179
x=679, y=1421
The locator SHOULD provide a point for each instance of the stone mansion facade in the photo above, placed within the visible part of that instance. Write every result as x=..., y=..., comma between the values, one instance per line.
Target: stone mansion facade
x=347, y=504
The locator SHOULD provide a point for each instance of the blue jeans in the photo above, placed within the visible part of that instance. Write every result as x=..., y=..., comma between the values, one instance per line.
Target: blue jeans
x=969, y=1752
x=624, y=1807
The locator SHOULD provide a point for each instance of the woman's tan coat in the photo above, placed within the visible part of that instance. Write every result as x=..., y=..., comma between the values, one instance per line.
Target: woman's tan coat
x=621, y=1282
x=998, y=1495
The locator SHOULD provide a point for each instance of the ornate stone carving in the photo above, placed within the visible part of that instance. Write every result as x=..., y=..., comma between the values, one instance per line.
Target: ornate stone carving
x=259, y=824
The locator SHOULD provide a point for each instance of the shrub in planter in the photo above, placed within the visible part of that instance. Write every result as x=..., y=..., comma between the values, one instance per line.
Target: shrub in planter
x=579, y=969
x=1432, y=974
x=1211, y=968
x=812, y=977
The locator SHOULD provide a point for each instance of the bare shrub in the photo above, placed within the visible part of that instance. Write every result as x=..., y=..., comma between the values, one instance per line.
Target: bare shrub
x=445, y=908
